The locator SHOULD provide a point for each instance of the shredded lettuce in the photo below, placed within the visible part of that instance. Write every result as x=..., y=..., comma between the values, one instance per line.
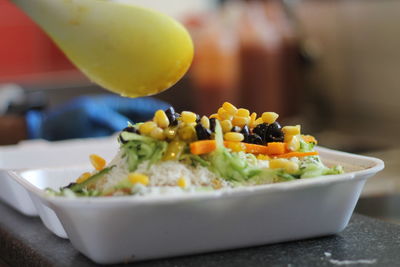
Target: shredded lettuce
x=194, y=160
x=314, y=170
x=231, y=166
x=141, y=148
x=306, y=147
x=238, y=168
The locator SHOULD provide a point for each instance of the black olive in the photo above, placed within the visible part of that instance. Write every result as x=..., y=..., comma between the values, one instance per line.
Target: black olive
x=213, y=122
x=254, y=139
x=274, y=133
x=236, y=129
x=246, y=132
x=274, y=129
x=170, y=111
x=131, y=129
x=171, y=115
x=261, y=130
x=175, y=121
x=202, y=132
x=278, y=138
x=197, y=118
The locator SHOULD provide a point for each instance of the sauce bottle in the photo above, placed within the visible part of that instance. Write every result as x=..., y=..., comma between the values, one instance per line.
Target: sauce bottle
x=215, y=69
x=261, y=61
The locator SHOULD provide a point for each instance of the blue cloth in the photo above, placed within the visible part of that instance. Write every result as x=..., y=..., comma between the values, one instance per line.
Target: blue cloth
x=91, y=116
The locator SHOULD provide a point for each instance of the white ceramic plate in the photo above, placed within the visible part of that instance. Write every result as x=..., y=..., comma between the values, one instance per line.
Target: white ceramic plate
x=121, y=229
x=39, y=154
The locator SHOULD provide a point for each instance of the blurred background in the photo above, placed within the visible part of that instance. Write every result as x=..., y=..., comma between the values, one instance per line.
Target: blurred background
x=331, y=66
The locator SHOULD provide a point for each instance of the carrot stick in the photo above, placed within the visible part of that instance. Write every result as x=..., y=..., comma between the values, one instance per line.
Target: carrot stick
x=207, y=146
x=255, y=149
x=309, y=139
x=202, y=147
x=297, y=154
x=276, y=148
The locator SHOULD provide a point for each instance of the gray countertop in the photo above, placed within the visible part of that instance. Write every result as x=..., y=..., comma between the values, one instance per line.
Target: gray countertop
x=25, y=241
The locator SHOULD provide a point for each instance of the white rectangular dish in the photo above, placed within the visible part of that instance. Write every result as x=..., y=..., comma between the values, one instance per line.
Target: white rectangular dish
x=53, y=178
x=122, y=229
x=39, y=154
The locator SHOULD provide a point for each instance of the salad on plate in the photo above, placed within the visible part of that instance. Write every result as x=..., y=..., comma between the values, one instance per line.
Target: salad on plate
x=183, y=152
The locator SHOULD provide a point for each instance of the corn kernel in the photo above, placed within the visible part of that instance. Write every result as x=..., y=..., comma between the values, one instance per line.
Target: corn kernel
x=240, y=121
x=226, y=126
x=262, y=157
x=242, y=112
x=138, y=178
x=291, y=130
x=182, y=182
x=188, y=116
x=170, y=133
x=235, y=137
x=291, y=167
x=84, y=176
x=191, y=124
x=253, y=118
x=98, y=162
x=187, y=133
x=236, y=146
x=224, y=115
x=269, y=117
x=230, y=108
x=205, y=122
x=157, y=133
x=293, y=144
x=287, y=138
x=258, y=121
x=214, y=116
x=161, y=119
x=277, y=163
x=147, y=127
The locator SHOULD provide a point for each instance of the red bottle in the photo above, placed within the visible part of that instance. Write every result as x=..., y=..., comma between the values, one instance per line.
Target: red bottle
x=215, y=69
x=261, y=61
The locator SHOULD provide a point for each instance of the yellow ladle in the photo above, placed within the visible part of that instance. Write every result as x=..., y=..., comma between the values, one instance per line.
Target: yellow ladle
x=130, y=50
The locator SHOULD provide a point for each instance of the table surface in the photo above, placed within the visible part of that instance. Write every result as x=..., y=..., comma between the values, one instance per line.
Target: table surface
x=24, y=241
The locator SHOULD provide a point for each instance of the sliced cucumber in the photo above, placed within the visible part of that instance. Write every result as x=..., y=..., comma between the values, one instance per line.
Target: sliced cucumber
x=91, y=180
x=128, y=136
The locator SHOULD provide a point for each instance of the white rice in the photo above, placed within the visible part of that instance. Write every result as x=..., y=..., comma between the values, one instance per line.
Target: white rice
x=163, y=174
x=167, y=173
x=118, y=173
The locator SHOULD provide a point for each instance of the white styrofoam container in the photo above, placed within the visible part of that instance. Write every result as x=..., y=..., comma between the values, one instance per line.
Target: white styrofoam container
x=120, y=229
x=55, y=177
x=40, y=154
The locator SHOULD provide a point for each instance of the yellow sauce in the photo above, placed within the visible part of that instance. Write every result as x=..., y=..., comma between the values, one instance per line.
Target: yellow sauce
x=132, y=51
